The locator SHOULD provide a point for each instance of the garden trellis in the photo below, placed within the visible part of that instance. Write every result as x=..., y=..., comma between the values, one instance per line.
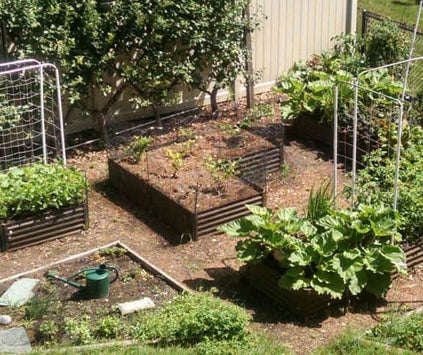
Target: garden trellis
x=357, y=130
x=31, y=122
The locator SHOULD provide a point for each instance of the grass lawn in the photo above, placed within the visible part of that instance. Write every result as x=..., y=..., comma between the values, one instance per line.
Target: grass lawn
x=400, y=10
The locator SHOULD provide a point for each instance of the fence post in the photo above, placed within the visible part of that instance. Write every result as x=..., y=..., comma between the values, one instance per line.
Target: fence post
x=363, y=22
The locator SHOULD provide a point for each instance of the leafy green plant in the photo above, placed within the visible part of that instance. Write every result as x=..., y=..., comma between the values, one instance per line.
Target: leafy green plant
x=310, y=86
x=177, y=160
x=259, y=111
x=405, y=332
x=222, y=169
x=79, y=330
x=344, y=251
x=375, y=182
x=113, y=251
x=385, y=43
x=108, y=327
x=192, y=318
x=138, y=147
x=48, y=331
x=41, y=187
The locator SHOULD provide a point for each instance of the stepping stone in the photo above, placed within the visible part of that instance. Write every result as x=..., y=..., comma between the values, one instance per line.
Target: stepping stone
x=19, y=293
x=15, y=341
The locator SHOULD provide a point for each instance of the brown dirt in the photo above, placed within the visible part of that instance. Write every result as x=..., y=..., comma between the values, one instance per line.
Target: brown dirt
x=210, y=262
x=187, y=179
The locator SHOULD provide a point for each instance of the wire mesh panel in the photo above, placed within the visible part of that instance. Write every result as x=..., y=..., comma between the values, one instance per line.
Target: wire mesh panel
x=31, y=124
x=367, y=137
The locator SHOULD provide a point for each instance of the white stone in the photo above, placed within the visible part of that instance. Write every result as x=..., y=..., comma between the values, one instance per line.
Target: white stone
x=134, y=306
x=5, y=319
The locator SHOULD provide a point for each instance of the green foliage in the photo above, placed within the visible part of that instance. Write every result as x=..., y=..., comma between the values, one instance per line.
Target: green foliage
x=10, y=115
x=109, y=327
x=310, y=86
x=342, y=251
x=222, y=169
x=320, y=201
x=385, y=43
x=150, y=47
x=350, y=342
x=375, y=182
x=405, y=332
x=138, y=147
x=114, y=251
x=48, y=331
x=38, y=306
x=259, y=111
x=191, y=319
x=79, y=330
x=33, y=189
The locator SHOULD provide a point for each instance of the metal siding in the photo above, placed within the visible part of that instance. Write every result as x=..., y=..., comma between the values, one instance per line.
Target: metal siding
x=295, y=30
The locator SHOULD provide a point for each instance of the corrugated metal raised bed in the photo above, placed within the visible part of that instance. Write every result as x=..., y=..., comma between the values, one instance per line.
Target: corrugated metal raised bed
x=304, y=302
x=255, y=166
x=51, y=225
x=180, y=218
x=413, y=253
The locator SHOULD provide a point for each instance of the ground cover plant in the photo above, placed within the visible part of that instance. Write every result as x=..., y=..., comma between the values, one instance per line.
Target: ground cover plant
x=334, y=253
x=31, y=190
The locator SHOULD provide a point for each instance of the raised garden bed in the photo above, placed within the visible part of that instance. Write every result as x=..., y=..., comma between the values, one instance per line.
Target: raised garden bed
x=304, y=302
x=200, y=180
x=41, y=202
x=413, y=253
x=138, y=278
x=50, y=225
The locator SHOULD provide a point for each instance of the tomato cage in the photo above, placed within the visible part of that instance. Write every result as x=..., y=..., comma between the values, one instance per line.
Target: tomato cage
x=31, y=120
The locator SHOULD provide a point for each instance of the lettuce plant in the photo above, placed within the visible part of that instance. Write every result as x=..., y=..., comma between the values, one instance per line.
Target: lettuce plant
x=31, y=190
x=347, y=250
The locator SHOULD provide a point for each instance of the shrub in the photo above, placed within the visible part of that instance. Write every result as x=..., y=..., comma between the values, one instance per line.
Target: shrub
x=79, y=331
x=384, y=44
x=34, y=189
x=191, y=319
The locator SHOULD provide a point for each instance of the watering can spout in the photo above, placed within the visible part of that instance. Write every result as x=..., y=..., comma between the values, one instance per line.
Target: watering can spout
x=51, y=275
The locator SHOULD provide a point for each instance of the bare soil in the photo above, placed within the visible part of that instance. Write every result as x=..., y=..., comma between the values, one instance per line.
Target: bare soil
x=210, y=262
x=179, y=165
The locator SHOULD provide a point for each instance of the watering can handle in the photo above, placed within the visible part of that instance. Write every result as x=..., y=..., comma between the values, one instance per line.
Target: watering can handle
x=116, y=273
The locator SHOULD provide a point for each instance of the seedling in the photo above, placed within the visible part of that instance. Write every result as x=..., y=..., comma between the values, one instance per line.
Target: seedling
x=138, y=147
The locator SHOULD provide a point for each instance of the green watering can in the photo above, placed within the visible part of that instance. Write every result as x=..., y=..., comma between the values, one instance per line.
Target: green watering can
x=96, y=281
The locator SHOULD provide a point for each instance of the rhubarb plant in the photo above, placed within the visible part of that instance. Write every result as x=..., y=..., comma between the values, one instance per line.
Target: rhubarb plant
x=344, y=251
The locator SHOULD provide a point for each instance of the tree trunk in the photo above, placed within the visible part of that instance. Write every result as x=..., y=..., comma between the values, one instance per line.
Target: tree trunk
x=157, y=115
x=213, y=103
x=100, y=120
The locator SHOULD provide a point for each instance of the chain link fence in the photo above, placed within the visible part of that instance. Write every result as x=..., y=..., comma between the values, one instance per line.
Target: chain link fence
x=415, y=79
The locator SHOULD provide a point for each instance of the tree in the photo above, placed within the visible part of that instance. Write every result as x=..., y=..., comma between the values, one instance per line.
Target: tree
x=217, y=51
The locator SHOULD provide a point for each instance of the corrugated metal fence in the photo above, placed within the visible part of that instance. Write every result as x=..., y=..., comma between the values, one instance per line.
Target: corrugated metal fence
x=295, y=30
